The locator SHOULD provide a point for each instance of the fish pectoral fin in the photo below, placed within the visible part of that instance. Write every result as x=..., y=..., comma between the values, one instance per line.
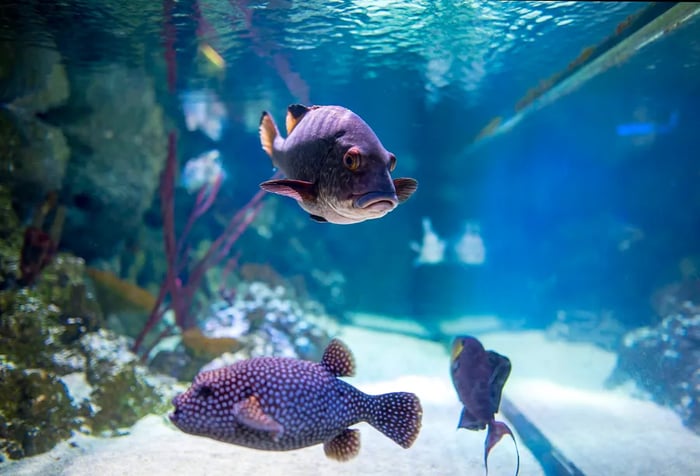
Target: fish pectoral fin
x=317, y=218
x=405, y=187
x=250, y=413
x=343, y=447
x=338, y=359
x=295, y=112
x=299, y=190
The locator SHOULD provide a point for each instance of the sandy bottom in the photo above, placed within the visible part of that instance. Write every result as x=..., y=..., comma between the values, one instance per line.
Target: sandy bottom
x=556, y=385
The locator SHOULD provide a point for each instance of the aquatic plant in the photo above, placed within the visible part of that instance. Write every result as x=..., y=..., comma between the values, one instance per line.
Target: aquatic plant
x=181, y=293
x=39, y=247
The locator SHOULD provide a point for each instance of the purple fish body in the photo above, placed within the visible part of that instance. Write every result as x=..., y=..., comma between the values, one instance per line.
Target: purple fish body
x=280, y=403
x=334, y=165
x=478, y=377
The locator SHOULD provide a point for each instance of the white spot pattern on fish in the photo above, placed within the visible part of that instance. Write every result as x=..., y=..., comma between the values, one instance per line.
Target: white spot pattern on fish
x=279, y=403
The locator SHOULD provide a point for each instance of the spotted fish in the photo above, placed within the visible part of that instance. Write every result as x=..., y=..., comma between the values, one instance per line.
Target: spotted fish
x=335, y=167
x=282, y=403
x=478, y=377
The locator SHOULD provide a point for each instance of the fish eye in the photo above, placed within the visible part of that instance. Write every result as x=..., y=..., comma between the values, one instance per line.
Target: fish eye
x=351, y=159
x=204, y=391
x=392, y=162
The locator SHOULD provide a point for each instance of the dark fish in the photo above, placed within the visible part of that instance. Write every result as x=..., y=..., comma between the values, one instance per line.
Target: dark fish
x=478, y=376
x=281, y=403
x=335, y=166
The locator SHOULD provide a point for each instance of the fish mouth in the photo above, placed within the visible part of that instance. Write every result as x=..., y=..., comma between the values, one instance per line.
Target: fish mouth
x=175, y=419
x=174, y=415
x=378, y=202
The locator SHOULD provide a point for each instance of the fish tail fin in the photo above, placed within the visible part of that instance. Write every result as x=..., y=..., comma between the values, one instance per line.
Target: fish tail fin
x=268, y=133
x=397, y=415
x=496, y=431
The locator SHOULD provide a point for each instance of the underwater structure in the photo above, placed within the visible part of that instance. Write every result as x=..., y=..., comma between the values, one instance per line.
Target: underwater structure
x=148, y=239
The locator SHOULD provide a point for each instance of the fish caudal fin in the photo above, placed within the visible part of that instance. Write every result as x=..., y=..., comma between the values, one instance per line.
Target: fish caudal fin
x=496, y=431
x=397, y=415
x=343, y=447
x=268, y=133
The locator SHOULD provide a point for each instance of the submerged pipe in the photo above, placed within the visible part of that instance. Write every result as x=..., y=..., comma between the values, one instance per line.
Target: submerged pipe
x=633, y=34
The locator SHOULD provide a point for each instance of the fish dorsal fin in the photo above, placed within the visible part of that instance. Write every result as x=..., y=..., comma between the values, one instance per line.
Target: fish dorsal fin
x=250, y=413
x=338, y=359
x=294, y=114
x=268, y=132
x=343, y=447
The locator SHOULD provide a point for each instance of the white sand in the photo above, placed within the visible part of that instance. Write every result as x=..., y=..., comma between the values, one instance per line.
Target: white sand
x=579, y=417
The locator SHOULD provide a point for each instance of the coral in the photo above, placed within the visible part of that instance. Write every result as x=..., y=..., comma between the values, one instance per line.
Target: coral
x=258, y=320
x=116, y=294
x=664, y=361
x=208, y=347
x=271, y=321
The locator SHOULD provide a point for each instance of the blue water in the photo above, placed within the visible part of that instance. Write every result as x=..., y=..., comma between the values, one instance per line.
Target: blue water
x=590, y=204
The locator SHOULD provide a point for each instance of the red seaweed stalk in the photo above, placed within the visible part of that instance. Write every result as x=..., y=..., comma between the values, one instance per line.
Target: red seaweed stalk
x=181, y=294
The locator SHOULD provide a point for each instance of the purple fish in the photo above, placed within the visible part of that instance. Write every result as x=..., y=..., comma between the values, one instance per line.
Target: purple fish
x=281, y=403
x=478, y=376
x=335, y=166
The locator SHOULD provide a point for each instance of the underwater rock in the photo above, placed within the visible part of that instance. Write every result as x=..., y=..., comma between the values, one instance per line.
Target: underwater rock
x=36, y=411
x=123, y=390
x=35, y=156
x=580, y=325
x=29, y=329
x=118, y=148
x=98, y=386
x=32, y=80
x=665, y=361
x=10, y=240
x=58, y=373
x=63, y=284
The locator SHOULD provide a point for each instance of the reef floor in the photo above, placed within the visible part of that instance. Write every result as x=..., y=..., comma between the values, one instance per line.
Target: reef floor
x=557, y=385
